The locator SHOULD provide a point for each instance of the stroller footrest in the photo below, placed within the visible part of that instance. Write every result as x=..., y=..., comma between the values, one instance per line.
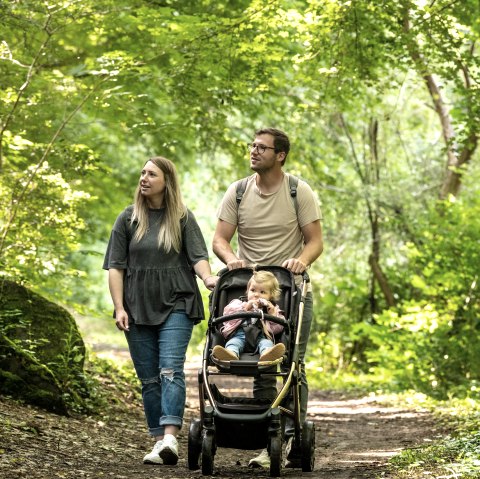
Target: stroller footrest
x=246, y=368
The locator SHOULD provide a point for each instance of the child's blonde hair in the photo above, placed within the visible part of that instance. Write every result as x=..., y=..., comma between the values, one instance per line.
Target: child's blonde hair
x=270, y=282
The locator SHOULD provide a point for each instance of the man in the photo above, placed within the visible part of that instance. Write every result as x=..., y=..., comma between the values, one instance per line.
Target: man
x=272, y=230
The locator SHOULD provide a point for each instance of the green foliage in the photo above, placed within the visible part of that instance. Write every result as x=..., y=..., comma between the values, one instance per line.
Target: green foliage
x=451, y=457
x=111, y=383
x=430, y=341
x=91, y=89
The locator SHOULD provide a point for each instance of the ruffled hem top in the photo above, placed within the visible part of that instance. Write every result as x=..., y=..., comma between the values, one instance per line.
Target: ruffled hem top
x=157, y=282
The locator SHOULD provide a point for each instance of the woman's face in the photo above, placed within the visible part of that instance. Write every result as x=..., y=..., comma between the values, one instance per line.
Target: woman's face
x=152, y=181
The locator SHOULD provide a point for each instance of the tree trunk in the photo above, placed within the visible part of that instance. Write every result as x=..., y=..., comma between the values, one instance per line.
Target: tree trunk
x=456, y=159
x=382, y=281
x=369, y=174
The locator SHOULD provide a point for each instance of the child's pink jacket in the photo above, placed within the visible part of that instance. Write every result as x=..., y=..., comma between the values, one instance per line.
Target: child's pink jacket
x=236, y=306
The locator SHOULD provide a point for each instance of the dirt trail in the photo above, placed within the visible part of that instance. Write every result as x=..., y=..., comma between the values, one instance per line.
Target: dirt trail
x=355, y=438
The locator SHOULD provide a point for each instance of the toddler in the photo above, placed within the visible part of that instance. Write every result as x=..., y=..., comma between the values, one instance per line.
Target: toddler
x=262, y=292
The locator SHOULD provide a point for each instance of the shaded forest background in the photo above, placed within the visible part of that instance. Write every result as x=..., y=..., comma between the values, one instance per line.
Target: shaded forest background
x=381, y=101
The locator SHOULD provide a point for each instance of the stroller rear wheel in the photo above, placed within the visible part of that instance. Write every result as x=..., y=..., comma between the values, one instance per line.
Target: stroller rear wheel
x=208, y=453
x=275, y=449
x=308, y=446
x=194, y=444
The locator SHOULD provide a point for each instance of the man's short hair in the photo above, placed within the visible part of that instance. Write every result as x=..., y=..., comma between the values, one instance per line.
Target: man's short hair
x=280, y=139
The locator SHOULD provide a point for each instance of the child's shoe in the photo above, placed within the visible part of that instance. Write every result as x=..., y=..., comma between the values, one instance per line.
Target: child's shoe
x=223, y=354
x=273, y=353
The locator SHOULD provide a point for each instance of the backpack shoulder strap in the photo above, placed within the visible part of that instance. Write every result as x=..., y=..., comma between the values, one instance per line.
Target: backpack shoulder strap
x=241, y=187
x=292, y=183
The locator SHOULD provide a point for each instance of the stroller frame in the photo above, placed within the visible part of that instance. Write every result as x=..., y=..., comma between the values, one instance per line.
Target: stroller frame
x=248, y=423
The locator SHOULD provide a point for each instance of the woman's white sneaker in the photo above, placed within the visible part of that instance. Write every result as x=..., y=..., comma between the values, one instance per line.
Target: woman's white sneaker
x=153, y=457
x=262, y=460
x=169, y=450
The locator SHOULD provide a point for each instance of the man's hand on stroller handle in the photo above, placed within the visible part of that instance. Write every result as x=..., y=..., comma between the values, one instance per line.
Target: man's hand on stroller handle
x=236, y=263
x=295, y=265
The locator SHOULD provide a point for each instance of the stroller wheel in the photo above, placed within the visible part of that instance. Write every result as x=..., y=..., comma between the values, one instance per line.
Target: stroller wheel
x=308, y=446
x=208, y=453
x=275, y=455
x=194, y=444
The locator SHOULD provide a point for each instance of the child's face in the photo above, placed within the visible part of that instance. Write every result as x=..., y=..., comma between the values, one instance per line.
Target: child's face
x=257, y=291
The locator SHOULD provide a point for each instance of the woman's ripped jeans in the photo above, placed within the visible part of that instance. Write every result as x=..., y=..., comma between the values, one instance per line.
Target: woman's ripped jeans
x=158, y=354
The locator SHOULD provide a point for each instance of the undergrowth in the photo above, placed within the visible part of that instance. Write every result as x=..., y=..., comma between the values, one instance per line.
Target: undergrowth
x=456, y=455
x=112, y=383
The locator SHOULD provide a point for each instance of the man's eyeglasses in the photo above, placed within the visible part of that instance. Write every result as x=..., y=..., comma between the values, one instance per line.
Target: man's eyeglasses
x=260, y=148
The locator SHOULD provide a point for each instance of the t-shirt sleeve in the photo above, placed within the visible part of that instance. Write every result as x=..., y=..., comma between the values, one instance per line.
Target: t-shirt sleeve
x=193, y=241
x=117, y=249
x=308, y=208
x=228, y=209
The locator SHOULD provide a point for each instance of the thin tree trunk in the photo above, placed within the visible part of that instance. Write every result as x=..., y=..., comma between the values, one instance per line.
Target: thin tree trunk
x=456, y=160
x=370, y=175
x=382, y=281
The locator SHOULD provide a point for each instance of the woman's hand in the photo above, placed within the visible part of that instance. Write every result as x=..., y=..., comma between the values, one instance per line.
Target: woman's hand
x=210, y=282
x=121, y=320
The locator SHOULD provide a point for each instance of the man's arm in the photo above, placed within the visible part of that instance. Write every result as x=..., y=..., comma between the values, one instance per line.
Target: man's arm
x=221, y=245
x=312, y=234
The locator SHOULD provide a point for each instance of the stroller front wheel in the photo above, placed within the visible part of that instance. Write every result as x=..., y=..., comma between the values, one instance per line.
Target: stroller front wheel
x=208, y=454
x=194, y=444
x=275, y=450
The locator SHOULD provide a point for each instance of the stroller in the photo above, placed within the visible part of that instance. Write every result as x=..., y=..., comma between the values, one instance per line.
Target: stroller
x=246, y=422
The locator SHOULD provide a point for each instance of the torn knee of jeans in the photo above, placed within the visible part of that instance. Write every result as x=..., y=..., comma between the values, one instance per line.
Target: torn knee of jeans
x=167, y=373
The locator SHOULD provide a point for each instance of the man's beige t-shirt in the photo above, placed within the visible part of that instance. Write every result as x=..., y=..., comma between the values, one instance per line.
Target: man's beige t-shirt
x=268, y=228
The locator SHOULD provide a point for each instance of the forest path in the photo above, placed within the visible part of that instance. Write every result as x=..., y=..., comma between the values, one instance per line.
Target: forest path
x=355, y=437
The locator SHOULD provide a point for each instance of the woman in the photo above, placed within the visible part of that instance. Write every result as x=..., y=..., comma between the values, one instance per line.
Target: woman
x=154, y=245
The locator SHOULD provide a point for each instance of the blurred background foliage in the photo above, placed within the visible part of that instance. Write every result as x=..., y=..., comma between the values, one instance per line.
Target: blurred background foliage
x=380, y=99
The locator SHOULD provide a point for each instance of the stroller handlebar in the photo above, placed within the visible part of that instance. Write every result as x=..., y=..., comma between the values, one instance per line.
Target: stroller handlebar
x=305, y=276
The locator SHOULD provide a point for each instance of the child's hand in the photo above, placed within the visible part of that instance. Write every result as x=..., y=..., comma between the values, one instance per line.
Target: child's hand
x=250, y=305
x=263, y=303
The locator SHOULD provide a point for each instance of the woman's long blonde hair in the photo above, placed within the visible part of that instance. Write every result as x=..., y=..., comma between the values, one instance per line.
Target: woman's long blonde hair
x=170, y=233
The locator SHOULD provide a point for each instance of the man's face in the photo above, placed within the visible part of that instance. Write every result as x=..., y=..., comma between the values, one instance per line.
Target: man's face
x=266, y=160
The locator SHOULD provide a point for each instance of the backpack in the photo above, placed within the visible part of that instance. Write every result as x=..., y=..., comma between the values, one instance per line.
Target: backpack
x=292, y=183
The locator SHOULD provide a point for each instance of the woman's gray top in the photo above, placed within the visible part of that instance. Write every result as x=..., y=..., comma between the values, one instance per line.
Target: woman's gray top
x=156, y=282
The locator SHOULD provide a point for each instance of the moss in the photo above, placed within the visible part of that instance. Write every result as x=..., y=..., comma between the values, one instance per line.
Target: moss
x=42, y=353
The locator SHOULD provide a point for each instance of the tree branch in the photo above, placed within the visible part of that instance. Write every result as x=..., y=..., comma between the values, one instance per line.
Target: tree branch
x=17, y=201
x=26, y=83
x=382, y=281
